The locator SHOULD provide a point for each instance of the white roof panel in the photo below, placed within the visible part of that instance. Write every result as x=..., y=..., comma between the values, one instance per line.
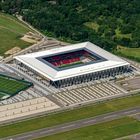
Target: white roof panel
x=31, y=61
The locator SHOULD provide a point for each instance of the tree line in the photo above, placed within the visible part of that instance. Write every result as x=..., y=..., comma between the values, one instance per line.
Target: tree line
x=118, y=21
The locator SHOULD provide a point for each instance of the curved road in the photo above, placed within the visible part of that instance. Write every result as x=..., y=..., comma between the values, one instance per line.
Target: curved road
x=74, y=125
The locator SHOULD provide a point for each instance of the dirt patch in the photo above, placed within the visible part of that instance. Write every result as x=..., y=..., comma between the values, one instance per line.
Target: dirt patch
x=31, y=38
x=1, y=57
x=13, y=51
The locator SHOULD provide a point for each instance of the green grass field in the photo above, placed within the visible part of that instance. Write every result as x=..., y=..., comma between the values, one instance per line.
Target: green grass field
x=132, y=53
x=10, y=86
x=11, y=30
x=68, y=116
x=103, y=131
x=71, y=64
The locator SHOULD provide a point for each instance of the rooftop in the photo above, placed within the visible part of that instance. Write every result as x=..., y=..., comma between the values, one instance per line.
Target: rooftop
x=71, y=60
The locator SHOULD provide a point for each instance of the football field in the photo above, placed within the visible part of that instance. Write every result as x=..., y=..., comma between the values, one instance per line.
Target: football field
x=10, y=86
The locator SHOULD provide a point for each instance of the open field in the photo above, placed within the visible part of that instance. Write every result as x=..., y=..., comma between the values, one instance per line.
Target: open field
x=11, y=30
x=132, y=53
x=103, y=131
x=10, y=86
x=68, y=116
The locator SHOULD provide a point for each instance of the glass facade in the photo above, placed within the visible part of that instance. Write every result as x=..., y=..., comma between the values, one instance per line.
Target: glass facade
x=90, y=77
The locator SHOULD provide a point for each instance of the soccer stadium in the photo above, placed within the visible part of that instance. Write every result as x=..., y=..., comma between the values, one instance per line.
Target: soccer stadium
x=73, y=64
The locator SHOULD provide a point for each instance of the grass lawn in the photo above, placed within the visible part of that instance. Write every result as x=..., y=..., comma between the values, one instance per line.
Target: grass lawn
x=11, y=30
x=68, y=116
x=132, y=53
x=12, y=23
x=11, y=86
x=104, y=131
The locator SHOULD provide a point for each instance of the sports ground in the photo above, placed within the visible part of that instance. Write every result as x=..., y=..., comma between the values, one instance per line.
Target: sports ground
x=10, y=86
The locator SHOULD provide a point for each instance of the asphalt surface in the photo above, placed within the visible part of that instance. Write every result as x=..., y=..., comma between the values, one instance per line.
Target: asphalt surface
x=131, y=137
x=74, y=125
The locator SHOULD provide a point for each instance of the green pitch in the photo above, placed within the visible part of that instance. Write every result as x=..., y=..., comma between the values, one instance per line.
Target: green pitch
x=71, y=64
x=10, y=86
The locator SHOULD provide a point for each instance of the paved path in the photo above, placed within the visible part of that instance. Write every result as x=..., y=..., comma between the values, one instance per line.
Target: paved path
x=25, y=108
x=74, y=125
x=131, y=137
x=29, y=25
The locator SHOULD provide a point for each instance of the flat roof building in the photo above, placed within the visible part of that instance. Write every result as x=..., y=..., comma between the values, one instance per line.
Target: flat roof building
x=73, y=64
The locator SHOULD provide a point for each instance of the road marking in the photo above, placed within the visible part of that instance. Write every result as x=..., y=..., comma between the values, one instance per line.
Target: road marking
x=110, y=116
x=25, y=136
x=90, y=121
x=44, y=132
x=68, y=126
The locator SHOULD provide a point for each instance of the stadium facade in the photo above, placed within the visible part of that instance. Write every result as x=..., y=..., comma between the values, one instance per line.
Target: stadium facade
x=73, y=64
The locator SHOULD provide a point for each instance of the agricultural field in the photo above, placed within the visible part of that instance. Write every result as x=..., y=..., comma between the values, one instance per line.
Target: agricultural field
x=10, y=86
x=68, y=116
x=11, y=30
x=103, y=131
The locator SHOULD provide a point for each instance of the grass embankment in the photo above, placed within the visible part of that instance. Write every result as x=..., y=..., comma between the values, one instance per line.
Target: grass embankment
x=68, y=116
x=11, y=30
x=131, y=53
x=103, y=131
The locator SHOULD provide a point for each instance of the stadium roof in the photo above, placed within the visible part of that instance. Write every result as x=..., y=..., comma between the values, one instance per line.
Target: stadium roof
x=32, y=61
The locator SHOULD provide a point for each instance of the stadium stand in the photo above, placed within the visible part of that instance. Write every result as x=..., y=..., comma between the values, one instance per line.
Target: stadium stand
x=71, y=58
